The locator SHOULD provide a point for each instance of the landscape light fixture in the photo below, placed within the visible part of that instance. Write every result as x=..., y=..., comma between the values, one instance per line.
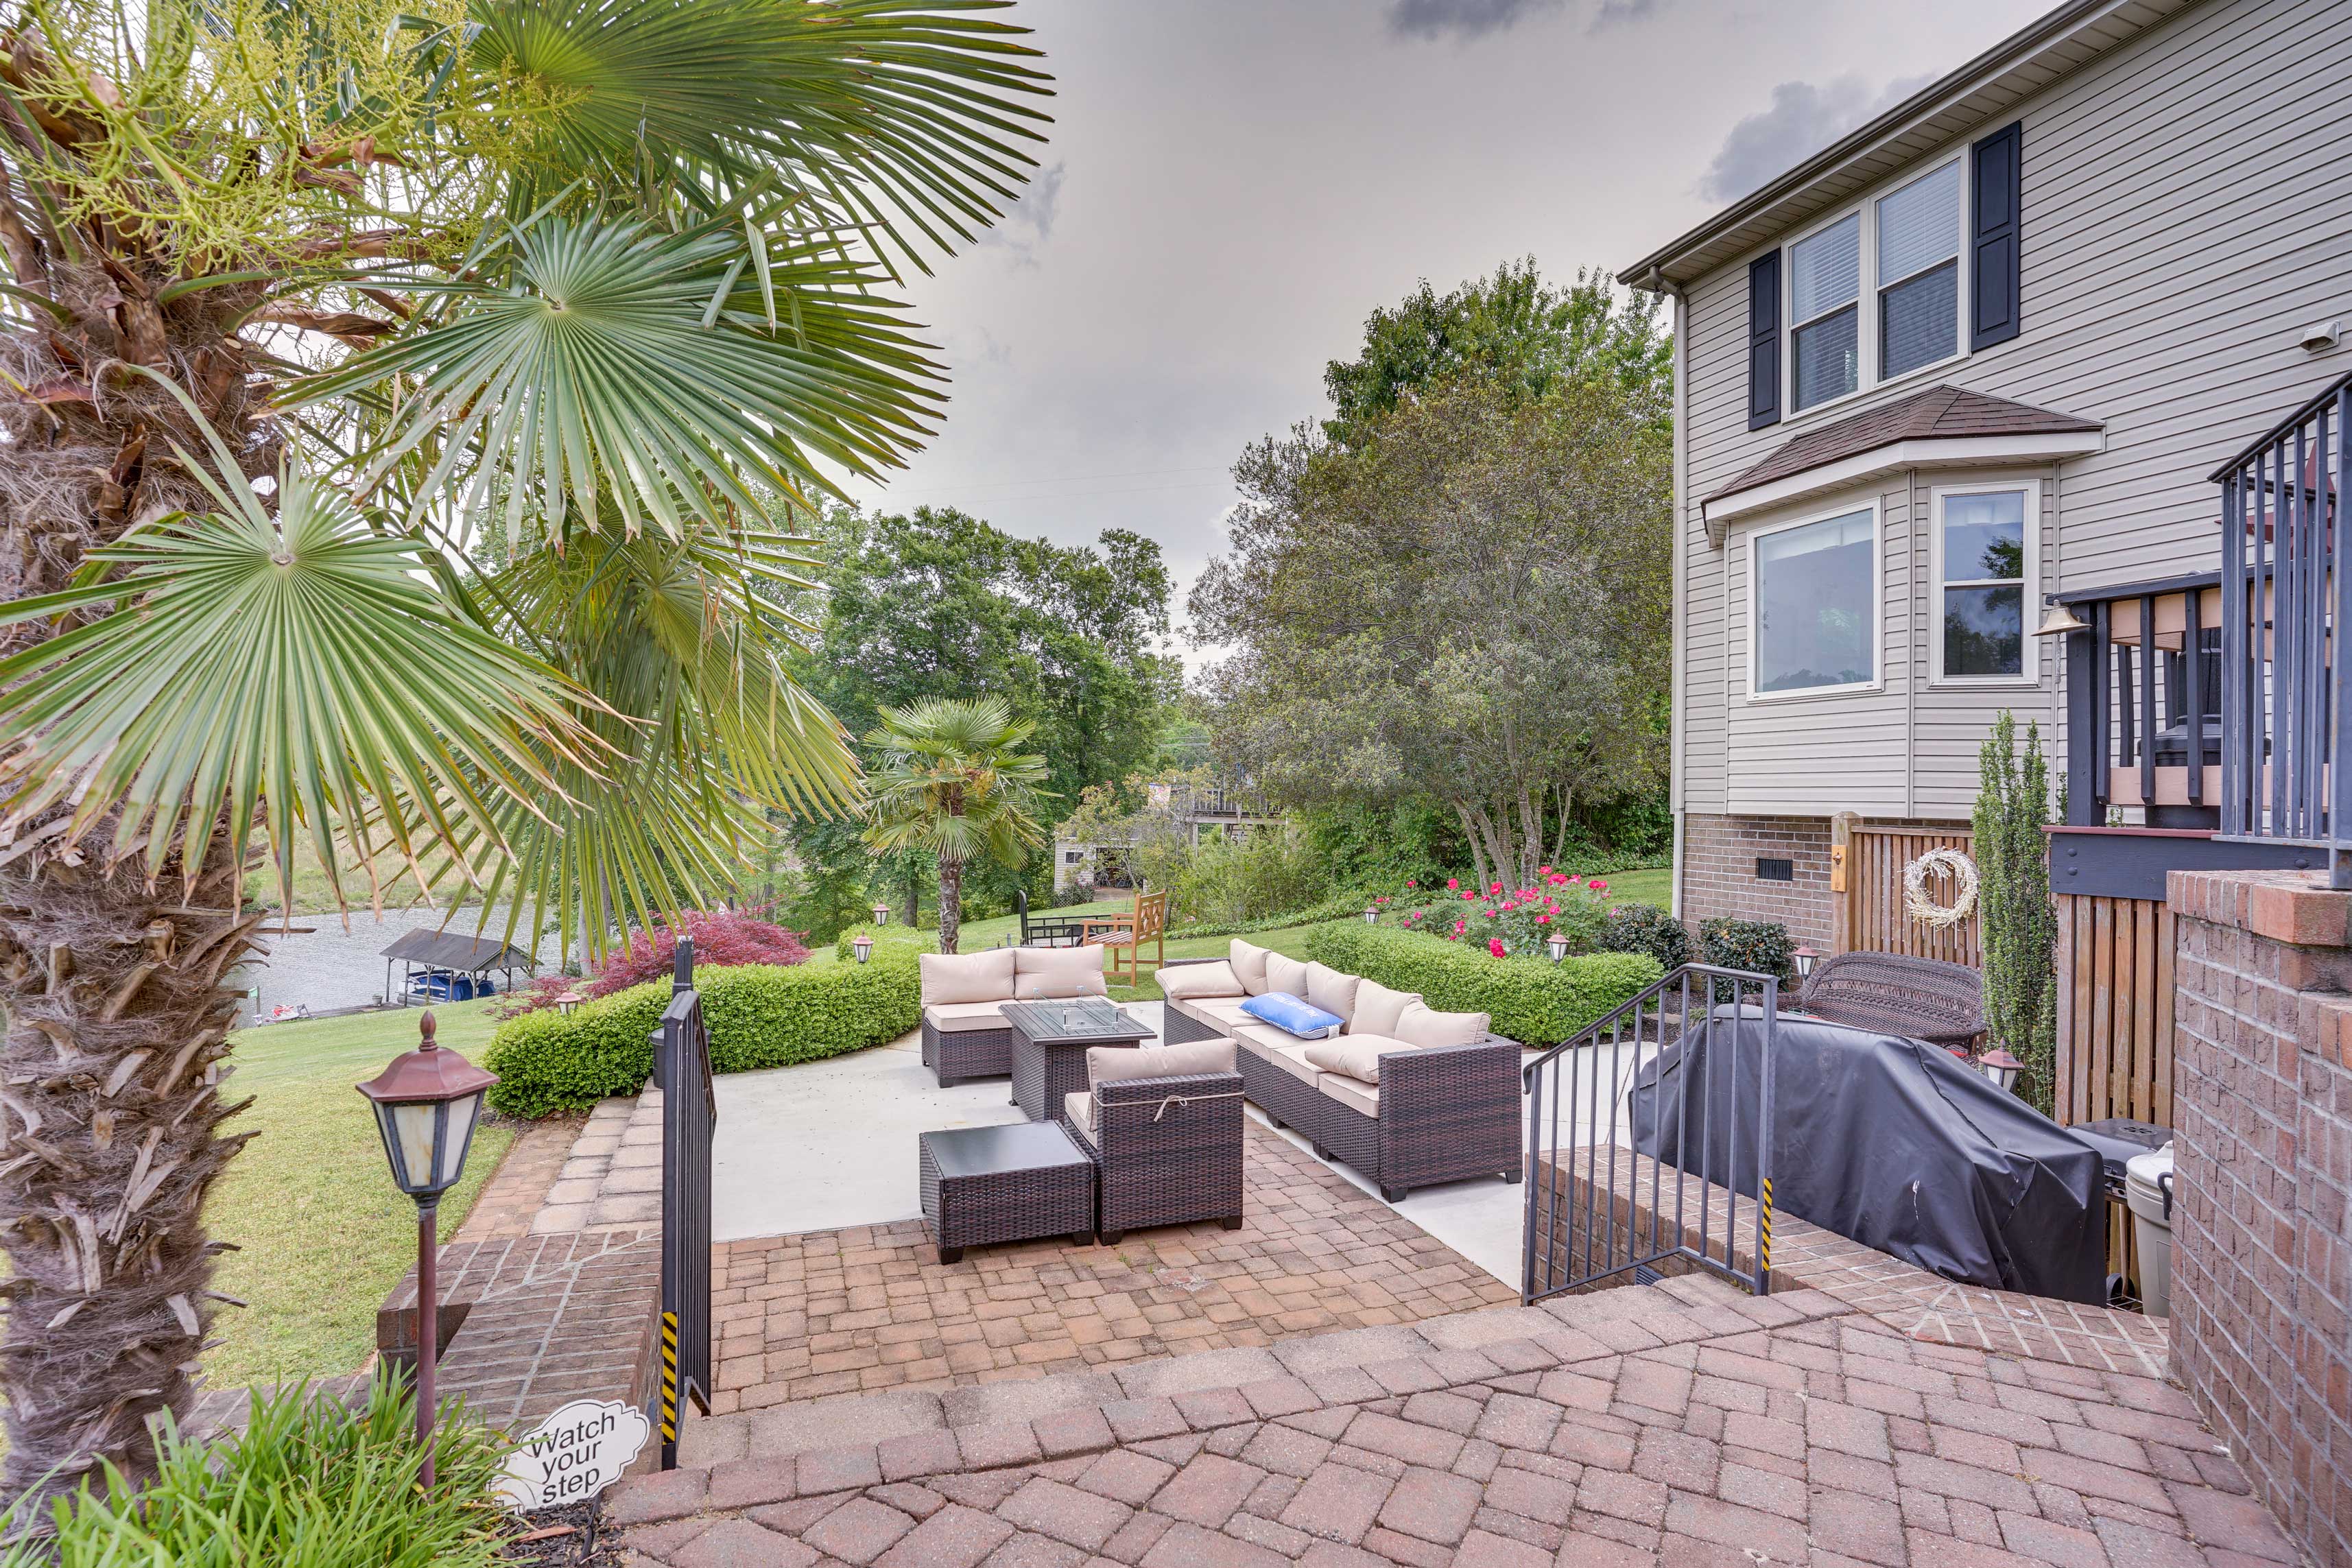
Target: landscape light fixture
x=1805, y=958
x=567, y=1000
x=863, y=945
x=427, y=1104
x=881, y=914
x=1556, y=946
x=1371, y=917
x=2000, y=1067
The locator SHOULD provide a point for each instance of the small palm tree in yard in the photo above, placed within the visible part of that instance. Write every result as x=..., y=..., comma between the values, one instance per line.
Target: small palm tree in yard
x=951, y=779
x=403, y=408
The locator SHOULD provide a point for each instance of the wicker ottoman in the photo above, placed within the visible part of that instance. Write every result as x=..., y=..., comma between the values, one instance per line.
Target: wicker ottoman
x=984, y=1185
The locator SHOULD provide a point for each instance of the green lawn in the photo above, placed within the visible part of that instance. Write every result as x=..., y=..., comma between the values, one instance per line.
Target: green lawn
x=324, y=1236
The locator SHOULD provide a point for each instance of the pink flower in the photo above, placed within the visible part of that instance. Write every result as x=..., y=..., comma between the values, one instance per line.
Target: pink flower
x=1496, y=889
x=1460, y=926
x=1411, y=883
x=1453, y=881
x=1382, y=900
x=1559, y=879
x=1543, y=870
x=1494, y=945
x=1543, y=920
x=1598, y=886
x=1467, y=896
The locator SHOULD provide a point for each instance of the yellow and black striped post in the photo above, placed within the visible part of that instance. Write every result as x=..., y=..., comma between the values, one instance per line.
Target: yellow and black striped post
x=1764, y=1229
x=669, y=1389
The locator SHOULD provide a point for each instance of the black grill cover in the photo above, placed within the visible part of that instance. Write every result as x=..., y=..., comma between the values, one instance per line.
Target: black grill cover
x=1891, y=1141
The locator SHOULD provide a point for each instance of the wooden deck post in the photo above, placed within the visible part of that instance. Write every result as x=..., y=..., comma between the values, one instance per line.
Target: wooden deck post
x=1842, y=827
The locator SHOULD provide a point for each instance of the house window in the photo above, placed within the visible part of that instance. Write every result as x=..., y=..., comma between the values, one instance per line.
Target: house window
x=1907, y=242
x=1919, y=273
x=1814, y=605
x=1825, y=290
x=1982, y=566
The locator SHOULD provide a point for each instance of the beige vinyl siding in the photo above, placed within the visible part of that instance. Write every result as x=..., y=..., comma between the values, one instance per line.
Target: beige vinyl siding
x=2187, y=210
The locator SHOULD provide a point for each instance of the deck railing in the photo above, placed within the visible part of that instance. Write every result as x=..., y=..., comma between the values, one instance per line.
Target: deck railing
x=2287, y=720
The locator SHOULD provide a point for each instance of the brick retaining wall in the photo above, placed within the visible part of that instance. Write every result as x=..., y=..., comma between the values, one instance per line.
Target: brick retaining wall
x=2262, y=1269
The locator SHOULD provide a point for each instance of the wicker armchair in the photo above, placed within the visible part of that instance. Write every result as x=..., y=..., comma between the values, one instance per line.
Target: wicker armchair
x=1923, y=998
x=1167, y=1150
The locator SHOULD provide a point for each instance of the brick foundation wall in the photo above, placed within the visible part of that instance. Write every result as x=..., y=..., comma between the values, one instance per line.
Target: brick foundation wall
x=2262, y=1269
x=1718, y=872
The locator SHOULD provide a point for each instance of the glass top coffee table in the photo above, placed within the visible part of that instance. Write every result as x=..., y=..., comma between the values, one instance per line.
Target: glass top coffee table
x=1049, y=1048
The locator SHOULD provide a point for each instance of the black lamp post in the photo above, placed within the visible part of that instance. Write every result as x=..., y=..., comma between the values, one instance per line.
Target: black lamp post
x=427, y=1103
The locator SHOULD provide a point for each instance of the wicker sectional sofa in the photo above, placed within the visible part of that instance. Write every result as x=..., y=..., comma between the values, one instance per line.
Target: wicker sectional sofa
x=964, y=1034
x=1436, y=1112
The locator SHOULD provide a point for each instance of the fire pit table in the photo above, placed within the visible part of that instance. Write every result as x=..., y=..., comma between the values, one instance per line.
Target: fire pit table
x=1049, y=1048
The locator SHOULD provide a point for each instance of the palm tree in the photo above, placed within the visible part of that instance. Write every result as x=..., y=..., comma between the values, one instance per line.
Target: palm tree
x=949, y=778
x=407, y=405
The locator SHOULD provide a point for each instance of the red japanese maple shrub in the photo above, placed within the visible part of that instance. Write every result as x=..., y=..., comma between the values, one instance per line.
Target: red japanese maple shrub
x=722, y=938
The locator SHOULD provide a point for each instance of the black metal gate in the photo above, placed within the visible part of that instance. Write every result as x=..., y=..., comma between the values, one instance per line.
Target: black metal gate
x=1623, y=1144
x=690, y=1115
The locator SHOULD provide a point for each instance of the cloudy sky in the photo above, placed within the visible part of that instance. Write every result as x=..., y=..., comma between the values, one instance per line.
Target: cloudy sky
x=1232, y=185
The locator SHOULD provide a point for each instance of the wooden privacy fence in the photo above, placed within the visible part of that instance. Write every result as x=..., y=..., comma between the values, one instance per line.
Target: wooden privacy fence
x=2115, y=1009
x=1866, y=866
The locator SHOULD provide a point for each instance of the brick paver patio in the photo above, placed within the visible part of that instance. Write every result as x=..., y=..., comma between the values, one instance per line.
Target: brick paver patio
x=1682, y=1423
x=871, y=1308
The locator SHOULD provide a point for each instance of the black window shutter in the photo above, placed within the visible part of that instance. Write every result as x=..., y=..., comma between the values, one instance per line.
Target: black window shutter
x=1993, y=292
x=1764, y=341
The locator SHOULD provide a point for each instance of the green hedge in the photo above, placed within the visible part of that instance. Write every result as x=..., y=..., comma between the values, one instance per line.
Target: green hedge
x=1532, y=1000
x=759, y=1016
x=885, y=936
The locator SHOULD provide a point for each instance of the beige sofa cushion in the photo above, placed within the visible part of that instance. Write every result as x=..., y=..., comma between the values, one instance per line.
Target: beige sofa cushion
x=1040, y=973
x=1110, y=1064
x=1271, y=1046
x=1248, y=965
x=1378, y=1008
x=1332, y=990
x=967, y=977
x=1218, y=1012
x=1190, y=980
x=1287, y=975
x=1356, y=1096
x=1354, y=1055
x=1425, y=1025
x=956, y=1017
x=1078, y=1107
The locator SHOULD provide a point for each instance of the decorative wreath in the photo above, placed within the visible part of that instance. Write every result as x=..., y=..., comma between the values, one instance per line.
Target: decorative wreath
x=1939, y=863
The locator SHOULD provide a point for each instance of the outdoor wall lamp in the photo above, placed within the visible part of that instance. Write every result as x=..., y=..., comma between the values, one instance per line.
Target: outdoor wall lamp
x=1556, y=946
x=2000, y=1067
x=881, y=914
x=2059, y=620
x=863, y=945
x=427, y=1103
x=1805, y=958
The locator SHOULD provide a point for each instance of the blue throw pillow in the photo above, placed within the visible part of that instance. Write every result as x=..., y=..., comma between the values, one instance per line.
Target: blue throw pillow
x=1293, y=1016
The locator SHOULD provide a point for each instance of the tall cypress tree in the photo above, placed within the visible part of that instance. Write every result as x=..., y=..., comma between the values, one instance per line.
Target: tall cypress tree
x=2019, y=927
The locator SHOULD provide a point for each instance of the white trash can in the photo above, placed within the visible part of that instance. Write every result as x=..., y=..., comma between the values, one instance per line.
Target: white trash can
x=2147, y=1188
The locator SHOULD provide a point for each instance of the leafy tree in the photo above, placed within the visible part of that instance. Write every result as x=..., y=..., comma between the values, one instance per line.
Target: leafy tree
x=949, y=781
x=1512, y=331
x=409, y=398
x=2019, y=924
x=1470, y=608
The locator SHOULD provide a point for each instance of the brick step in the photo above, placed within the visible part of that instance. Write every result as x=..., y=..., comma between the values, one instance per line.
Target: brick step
x=611, y=1178
x=751, y=1456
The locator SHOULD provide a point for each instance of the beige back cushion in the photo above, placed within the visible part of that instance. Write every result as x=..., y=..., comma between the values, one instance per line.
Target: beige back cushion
x=1378, y=1008
x=1287, y=975
x=1249, y=967
x=1425, y=1025
x=1199, y=980
x=1332, y=990
x=1041, y=971
x=1110, y=1064
x=1354, y=1055
x=968, y=976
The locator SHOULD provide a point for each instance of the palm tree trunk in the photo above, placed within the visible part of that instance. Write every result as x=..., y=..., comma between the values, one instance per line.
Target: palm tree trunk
x=117, y=1022
x=950, y=903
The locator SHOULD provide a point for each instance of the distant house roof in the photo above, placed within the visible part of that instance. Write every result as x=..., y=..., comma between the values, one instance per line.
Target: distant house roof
x=1961, y=103
x=1944, y=426
x=448, y=950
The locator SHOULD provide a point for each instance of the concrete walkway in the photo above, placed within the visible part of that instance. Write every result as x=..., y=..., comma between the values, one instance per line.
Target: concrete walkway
x=1686, y=1423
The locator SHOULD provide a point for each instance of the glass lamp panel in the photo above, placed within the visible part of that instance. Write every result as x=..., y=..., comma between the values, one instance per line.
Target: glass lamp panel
x=1919, y=225
x=412, y=1127
x=453, y=1147
x=1826, y=269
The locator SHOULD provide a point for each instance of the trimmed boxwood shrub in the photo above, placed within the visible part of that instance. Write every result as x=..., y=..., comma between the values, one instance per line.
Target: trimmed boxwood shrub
x=1531, y=1000
x=1759, y=947
x=1644, y=928
x=759, y=1016
x=885, y=936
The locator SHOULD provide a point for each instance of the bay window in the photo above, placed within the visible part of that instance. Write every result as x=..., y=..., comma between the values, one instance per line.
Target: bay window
x=1982, y=568
x=1812, y=612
